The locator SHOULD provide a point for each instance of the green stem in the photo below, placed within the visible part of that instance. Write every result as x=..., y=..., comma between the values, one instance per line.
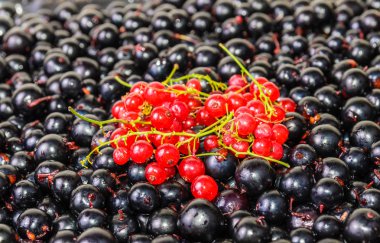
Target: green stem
x=255, y=155
x=120, y=81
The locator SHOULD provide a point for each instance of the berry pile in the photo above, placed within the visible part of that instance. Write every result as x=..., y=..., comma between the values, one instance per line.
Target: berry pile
x=172, y=121
x=242, y=118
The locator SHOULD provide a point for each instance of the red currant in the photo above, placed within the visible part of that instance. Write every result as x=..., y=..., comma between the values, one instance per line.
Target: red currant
x=277, y=151
x=180, y=110
x=256, y=106
x=216, y=105
x=242, y=147
x=117, y=109
x=190, y=168
x=155, y=174
x=262, y=146
x=161, y=118
x=235, y=101
x=203, y=117
x=263, y=130
x=271, y=90
x=245, y=124
x=141, y=151
x=280, y=133
x=189, y=147
x=287, y=104
x=121, y=155
x=204, y=187
x=195, y=84
x=154, y=93
x=237, y=80
x=167, y=155
x=139, y=87
x=210, y=143
x=133, y=102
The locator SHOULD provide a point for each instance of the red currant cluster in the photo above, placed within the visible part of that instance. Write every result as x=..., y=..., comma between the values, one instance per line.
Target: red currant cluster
x=156, y=120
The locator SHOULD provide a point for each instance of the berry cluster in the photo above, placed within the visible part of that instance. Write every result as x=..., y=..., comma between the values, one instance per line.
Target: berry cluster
x=156, y=125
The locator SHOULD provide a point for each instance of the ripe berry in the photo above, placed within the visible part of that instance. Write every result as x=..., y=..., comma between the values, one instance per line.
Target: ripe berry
x=167, y=155
x=190, y=168
x=155, y=174
x=245, y=124
x=161, y=118
x=216, y=105
x=204, y=187
x=121, y=155
x=141, y=151
x=280, y=133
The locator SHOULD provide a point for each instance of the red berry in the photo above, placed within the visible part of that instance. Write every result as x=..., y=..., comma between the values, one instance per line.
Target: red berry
x=262, y=146
x=237, y=80
x=141, y=151
x=155, y=174
x=235, y=101
x=154, y=93
x=189, y=147
x=189, y=123
x=280, y=133
x=117, y=109
x=279, y=114
x=287, y=104
x=248, y=97
x=241, y=110
x=139, y=87
x=256, y=106
x=240, y=146
x=126, y=142
x=210, y=143
x=167, y=155
x=253, y=87
x=228, y=139
x=182, y=96
x=216, y=105
x=121, y=155
x=277, y=151
x=204, y=187
x=263, y=130
x=180, y=110
x=190, y=168
x=161, y=118
x=195, y=84
x=245, y=124
x=271, y=90
x=203, y=117
x=170, y=171
x=133, y=102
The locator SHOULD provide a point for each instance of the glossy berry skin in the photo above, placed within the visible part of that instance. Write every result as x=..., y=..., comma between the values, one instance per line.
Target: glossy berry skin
x=96, y=234
x=199, y=220
x=297, y=183
x=362, y=218
x=327, y=192
x=33, y=224
x=86, y=196
x=254, y=176
x=273, y=206
x=167, y=155
x=7, y=234
x=91, y=217
x=364, y=134
x=250, y=229
x=155, y=174
x=143, y=197
x=216, y=105
x=327, y=226
x=141, y=151
x=325, y=140
x=220, y=168
x=163, y=221
x=370, y=198
x=190, y=168
x=230, y=201
x=204, y=187
x=301, y=235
